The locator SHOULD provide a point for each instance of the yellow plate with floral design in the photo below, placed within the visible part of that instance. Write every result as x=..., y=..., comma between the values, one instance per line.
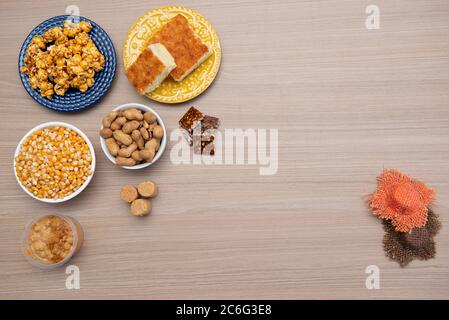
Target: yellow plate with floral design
x=171, y=91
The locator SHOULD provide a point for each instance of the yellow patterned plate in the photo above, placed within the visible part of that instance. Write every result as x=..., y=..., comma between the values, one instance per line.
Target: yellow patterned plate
x=196, y=82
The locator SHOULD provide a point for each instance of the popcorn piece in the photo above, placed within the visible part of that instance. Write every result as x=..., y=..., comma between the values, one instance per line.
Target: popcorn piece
x=63, y=58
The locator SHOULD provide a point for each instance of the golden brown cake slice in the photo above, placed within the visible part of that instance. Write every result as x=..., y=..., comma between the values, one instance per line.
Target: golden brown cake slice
x=186, y=47
x=151, y=67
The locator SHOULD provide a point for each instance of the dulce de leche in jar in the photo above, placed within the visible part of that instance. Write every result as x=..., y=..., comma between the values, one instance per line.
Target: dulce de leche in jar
x=51, y=240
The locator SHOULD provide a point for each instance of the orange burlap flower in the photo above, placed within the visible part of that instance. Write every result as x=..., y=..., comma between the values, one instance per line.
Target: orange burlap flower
x=401, y=200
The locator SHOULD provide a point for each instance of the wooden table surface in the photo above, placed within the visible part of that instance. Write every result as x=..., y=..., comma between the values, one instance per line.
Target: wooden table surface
x=347, y=101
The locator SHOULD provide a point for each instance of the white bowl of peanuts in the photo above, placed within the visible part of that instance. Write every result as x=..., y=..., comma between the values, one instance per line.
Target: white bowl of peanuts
x=124, y=154
x=54, y=162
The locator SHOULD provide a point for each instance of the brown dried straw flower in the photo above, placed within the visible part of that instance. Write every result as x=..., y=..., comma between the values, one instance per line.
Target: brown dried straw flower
x=418, y=243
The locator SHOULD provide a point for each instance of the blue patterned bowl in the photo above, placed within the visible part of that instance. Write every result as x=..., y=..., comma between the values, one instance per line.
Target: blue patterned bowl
x=74, y=100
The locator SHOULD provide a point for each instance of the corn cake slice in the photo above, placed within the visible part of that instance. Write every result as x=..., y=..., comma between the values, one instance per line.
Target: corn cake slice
x=151, y=67
x=186, y=47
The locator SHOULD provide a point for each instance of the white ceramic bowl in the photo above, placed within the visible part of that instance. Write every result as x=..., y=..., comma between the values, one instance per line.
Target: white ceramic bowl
x=85, y=138
x=163, y=141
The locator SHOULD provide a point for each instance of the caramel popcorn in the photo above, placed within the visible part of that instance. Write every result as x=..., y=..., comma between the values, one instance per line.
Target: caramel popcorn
x=63, y=58
x=50, y=239
x=53, y=162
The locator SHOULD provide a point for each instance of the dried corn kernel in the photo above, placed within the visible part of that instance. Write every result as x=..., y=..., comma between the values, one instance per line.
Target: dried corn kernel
x=53, y=162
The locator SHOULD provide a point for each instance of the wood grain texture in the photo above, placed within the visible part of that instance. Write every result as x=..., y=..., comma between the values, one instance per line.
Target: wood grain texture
x=348, y=102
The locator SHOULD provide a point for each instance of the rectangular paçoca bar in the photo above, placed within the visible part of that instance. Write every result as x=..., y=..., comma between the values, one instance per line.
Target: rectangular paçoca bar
x=151, y=67
x=186, y=47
